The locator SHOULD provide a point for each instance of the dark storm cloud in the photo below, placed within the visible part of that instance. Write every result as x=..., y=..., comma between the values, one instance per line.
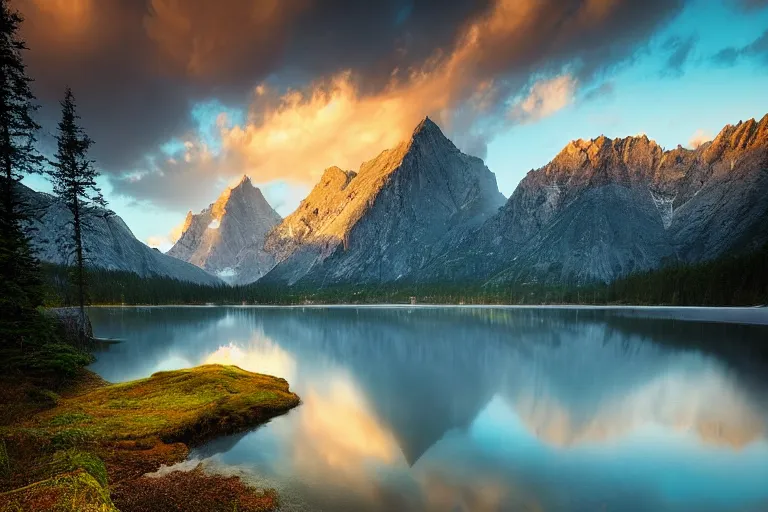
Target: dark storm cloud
x=137, y=66
x=375, y=37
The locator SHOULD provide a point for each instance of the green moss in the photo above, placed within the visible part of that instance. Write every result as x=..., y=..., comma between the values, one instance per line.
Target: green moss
x=66, y=461
x=182, y=405
x=71, y=437
x=69, y=418
x=76, y=491
x=43, y=397
x=5, y=460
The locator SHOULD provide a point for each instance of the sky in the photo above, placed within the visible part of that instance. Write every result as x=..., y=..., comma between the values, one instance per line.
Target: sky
x=184, y=97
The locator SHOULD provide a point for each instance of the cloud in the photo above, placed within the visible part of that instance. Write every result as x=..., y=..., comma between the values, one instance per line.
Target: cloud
x=752, y=5
x=680, y=51
x=731, y=55
x=212, y=42
x=165, y=242
x=698, y=138
x=600, y=92
x=343, y=79
x=544, y=99
x=159, y=242
x=292, y=134
x=137, y=66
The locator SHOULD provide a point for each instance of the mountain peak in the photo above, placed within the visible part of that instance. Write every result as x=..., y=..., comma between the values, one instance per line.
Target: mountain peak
x=245, y=180
x=745, y=135
x=227, y=237
x=427, y=127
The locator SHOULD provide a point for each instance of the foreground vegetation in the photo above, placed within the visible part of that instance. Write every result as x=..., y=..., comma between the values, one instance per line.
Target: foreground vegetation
x=88, y=448
x=731, y=281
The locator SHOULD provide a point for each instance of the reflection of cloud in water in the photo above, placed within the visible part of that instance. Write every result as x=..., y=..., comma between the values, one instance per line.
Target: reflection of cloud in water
x=337, y=433
x=172, y=362
x=260, y=356
x=443, y=489
x=703, y=401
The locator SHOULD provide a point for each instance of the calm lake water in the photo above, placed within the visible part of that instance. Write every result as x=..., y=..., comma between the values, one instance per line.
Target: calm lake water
x=478, y=409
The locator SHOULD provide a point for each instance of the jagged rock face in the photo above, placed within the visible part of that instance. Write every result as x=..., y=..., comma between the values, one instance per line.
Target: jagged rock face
x=723, y=206
x=389, y=219
x=227, y=238
x=108, y=242
x=605, y=208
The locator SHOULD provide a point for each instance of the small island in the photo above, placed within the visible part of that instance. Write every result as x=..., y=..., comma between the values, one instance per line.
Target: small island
x=89, y=447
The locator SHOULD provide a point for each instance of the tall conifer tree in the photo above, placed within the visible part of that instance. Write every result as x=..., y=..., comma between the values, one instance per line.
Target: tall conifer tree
x=19, y=271
x=73, y=175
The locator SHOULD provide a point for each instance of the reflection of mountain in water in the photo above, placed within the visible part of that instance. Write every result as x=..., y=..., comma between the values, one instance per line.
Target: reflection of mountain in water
x=420, y=379
x=571, y=375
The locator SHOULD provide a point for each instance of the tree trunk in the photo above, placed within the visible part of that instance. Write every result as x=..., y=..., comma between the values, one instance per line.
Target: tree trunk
x=80, y=264
x=8, y=171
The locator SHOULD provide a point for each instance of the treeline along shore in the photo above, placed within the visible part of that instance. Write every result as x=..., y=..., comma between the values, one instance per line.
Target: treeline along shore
x=729, y=281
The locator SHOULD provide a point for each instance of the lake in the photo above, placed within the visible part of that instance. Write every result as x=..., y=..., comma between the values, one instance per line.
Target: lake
x=478, y=409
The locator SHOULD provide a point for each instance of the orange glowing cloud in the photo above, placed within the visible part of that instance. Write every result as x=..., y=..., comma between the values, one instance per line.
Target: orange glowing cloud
x=517, y=61
x=330, y=125
x=339, y=436
x=200, y=38
x=545, y=98
x=297, y=135
x=698, y=138
x=69, y=16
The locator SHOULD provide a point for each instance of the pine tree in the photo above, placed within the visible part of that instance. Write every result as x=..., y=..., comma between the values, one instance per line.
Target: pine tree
x=20, y=291
x=74, y=181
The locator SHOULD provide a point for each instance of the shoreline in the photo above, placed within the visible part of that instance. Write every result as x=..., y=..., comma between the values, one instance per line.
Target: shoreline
x=743, y=315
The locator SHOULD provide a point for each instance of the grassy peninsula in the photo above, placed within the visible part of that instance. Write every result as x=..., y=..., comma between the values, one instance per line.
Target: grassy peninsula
x=87, y=448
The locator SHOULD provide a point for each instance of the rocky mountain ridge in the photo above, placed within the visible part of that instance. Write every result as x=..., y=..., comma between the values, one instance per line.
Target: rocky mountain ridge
x=604, y=208
x=227, y=238
x=388, y=219
x=108, y=242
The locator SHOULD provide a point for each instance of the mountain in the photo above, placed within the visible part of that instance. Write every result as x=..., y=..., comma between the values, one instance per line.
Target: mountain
x=227, y=238
x=387, y=220
x=108, y=241
x=605, y=208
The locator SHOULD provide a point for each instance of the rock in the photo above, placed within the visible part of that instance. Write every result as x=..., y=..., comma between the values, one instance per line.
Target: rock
x=76, y=330
x=108, y=241
x=227, y=238
x=389, y=219
x=605, y=208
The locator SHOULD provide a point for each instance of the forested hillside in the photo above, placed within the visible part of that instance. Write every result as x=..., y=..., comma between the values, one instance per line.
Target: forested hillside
x=730, y=281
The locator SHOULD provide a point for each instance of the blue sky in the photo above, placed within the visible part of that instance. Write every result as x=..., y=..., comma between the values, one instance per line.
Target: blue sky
x=698, y=94
x=668, y=108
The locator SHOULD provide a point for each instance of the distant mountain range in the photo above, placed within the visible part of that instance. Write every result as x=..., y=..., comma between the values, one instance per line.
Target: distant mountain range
x=108, y=241
x=603, y=208
x=424, y=212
